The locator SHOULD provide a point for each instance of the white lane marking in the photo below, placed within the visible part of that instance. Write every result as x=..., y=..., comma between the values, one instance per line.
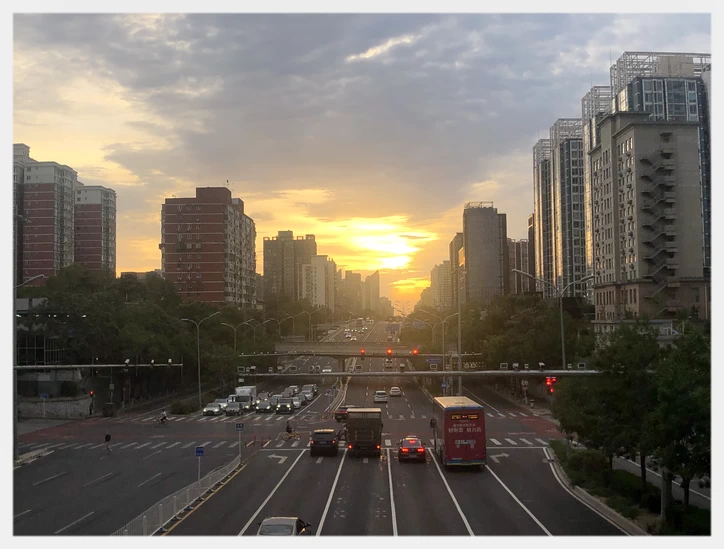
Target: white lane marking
x=128, y=445
x=96, y=480
x=501, y=414
x=494, y=441
x=511, y=441
x=147, y=419
x=331, y=492
x=205, y=444
x=295, y=444
x=389, y=416
x=423, y=416
x=319, y=459
x=157, y=445
x=365, y=460
x=65, y=446
x=449, y=491
x=388, y=442
x=523, y=414
x=490, y=415
x=21, y=514
x=392, y=495
x=234, y=444
x=49, y=478
x=481, y=400
x=218, y=445
x=268, y=418
x=432, y=442
x=543, y=442
x=263, y=503
x=402, y=417
x=528, y=442
x=73, y=523
x=38, y=446
x=309, y=444
x=511, y=414
x=547, y=453
x=153, y=454
x=142, y=445
x=249, y=443
x=97, y=446
x=280, y=418
x=149, y=480
x=188, y=445
x=267, y=443
x=83, y=445
x=172, y=445
x=531, y=515
x=280, y=444
x=53, y=446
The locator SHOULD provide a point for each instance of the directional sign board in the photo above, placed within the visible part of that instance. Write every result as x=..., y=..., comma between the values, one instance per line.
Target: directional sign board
x=199, y=451
x=240, y=427
x=433, y=360
x=43, y=396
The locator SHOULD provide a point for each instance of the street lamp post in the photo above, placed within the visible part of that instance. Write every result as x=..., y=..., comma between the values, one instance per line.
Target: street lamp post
x=280, y=324
x=198, y=345
x=252, y=327
x=560, y=301
x=233, y=328
x=15, y=351
x=294, y=331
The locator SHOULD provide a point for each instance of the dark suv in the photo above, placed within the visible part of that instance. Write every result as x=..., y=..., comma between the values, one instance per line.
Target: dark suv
x=323, y=440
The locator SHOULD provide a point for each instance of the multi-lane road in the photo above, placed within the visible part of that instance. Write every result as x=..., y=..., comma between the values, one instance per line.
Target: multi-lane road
x=79, y=489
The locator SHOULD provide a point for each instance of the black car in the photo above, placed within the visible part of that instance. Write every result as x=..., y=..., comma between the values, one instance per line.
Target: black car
x=264, y=407
x=285, y=406
x=340, y=414
x=323, y=440
x=411, y=448
x=233, y=409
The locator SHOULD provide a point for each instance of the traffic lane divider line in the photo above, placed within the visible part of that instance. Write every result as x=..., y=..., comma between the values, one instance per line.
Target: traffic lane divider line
x=150, y=479
x=251, y=520
x=21, y=514
x=522, y=505
x=331, y=493
x=73, y=523
x=153, y=454
x=97, y=480
x=50, y=478
x=392, y=495
x=450, y=492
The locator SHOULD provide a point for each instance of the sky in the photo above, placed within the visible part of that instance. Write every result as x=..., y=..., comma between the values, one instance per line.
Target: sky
x=369, y=131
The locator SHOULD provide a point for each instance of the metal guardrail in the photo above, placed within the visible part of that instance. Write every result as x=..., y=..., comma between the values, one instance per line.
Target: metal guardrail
x=156, y=517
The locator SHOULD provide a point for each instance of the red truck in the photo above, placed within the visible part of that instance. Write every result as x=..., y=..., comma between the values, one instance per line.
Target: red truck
x=459, y=431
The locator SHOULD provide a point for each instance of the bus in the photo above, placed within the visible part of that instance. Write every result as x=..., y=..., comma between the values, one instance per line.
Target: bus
x=459, y=431
x=360, y=322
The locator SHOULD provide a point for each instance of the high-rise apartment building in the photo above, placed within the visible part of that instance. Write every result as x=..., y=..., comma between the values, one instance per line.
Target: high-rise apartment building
x=259, y=288
x=45, y=206
x=352, y=292
x=440, y=283
x=456, y=280
x=386, y=310
x=371, y=292
x=248, y=262
x=531, y=253
x=594, y=106
x=569, y=259
x=319, y=282
x=671, y=86
x=486, y=252
x=426, y=298
x=518, y=258
x=543, y=215
x=95, y=227
x=203, y=245
x=646, y=219
x=284, y=257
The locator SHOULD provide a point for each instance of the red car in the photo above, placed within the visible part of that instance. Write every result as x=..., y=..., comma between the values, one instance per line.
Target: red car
x=411, y=448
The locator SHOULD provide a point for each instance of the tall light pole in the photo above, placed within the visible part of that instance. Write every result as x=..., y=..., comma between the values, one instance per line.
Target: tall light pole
x=560, y=301
x=233, y=328
x=15, y=351
x=278, y=324
x=294, y=331
x=198, y=345
x=248, y=323
x=282, y=320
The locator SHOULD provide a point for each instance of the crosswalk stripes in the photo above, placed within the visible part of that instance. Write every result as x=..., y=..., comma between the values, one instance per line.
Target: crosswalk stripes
x=235, y=444
x=205, y=444
x=494, y=441
x=528, y=442
x=511, y=414
x=128, y=445
x=158, y=445
x=542, y=442
x=172, y=445
x=423, y=416
x=523, y=414
x=189, y=445
x=219, y=444
x=501, y=414
x=142, y=445
x=490, y=415
x=280, y=444
x=295, y=444
x=511, y=442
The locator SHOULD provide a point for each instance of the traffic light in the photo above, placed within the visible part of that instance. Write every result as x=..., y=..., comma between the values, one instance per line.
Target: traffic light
x=389, y=352
x=362, y=354
x=414, y=352
x=91, y=393
x=550, y=382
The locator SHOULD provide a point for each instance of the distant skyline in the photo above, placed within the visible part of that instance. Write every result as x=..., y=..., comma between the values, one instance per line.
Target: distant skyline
x=369, y=131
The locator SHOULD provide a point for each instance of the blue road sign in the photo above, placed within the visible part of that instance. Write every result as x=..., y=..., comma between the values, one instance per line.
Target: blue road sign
x=44, y=395
x=240, y=427
x=199, y=451
x=433, y=360
x=329, y=392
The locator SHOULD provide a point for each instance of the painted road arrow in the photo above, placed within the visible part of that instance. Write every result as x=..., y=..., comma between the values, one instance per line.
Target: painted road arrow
x=496, y=456
x=281, y=459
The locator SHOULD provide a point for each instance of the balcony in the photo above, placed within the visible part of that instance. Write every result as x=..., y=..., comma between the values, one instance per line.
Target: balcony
x=667, y=148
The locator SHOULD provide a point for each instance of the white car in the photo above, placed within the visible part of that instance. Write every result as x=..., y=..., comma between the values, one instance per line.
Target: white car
x=380, y=396
x=284, y=526
x=297, y=402
x=395, y=392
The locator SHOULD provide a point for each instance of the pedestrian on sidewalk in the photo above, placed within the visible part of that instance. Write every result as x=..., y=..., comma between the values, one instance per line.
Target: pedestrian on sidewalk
x=108, y=442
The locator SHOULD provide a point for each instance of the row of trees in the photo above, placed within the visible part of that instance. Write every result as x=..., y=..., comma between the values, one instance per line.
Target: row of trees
x=523, y=329
x=98, y=318
x=650, y=401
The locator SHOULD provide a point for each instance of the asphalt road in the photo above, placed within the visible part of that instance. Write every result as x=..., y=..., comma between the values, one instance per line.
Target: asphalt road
x=80, y=490
x=518, y=494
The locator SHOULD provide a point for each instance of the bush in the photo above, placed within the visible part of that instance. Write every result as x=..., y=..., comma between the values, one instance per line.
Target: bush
x=590, y=464
x=629, y=485
x=69, y=389
x=690, y=521
x=183, y=408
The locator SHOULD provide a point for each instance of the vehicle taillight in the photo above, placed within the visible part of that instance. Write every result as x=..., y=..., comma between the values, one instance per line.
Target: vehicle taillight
x=420, y=449
x=311, y=442
x=350, y=446
x=405, y=450
x=334, y=441
x=378, y=446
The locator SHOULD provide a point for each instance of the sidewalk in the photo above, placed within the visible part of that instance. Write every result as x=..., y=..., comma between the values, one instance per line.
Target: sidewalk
x=699, y=497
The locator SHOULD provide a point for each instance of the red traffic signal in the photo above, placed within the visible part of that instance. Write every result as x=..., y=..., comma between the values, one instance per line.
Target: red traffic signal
x=414, y=351
x=550, y=381
x=91, y=393
x=362, y=352
x=389, y=351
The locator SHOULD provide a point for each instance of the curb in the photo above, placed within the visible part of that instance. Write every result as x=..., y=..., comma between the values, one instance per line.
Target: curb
x=628, y=526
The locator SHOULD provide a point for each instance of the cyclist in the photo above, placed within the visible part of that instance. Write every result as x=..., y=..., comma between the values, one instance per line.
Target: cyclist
x=164, y=417
x=290, y=429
